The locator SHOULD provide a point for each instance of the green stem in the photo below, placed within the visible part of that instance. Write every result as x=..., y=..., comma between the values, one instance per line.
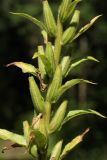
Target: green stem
x=42, y=155
x=58, y=42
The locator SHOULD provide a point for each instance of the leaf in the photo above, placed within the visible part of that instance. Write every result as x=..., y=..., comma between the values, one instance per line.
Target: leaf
x=73, y=143
x=36, y=96
x=26, y=68
x=56, y=151
x=75, y=113
x=77, y=62
x=26, y=129
x=86, y=27
x=7, y=135
x=45, y=36
x=46, y=63
x=68, y=85
x=32, y=19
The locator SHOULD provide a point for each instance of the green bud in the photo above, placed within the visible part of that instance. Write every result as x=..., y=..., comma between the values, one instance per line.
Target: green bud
x=69, y=33
x=55, y=84
x=65, y=64
x=49, y=18
x=64, y=9
x=58, y=117
x=56, y=151
x=67, y=8
x=50, y=55
x=33, y=151
x=36, y=96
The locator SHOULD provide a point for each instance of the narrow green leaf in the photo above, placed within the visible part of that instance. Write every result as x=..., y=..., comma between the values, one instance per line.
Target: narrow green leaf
x=57, y=120
x=45, y=62
x=7, y=135
x=36, y=96
x=56, y=151
x=86, y=27
x=26, y=68
x=75, y=113
x=68, y=85
x=77, y=62
x=45, y=36
x=26, y=129
x=32, y=19
x=55, y=84
x=73, y=143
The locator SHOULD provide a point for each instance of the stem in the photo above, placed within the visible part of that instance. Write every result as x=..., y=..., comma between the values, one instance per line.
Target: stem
x=42, y=155
x=58, y=42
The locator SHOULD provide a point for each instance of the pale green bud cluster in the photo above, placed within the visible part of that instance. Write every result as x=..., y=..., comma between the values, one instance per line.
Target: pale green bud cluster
x=46, y=83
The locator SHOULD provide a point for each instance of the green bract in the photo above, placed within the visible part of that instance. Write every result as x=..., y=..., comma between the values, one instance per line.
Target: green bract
x=52, y=68
x=49, y=18
x=36, y=96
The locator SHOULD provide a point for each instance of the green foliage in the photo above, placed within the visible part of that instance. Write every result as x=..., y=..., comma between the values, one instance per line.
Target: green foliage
x=18, y=139
x=74, y=113
x=32, y=19
x=26, y=68
x=52, y=68
x=72, y=144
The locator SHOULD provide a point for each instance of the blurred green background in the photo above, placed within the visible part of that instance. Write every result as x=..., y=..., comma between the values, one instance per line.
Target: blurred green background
x=18, y=41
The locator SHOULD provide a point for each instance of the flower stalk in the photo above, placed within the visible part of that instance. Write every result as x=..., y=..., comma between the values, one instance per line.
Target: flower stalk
x=52, y=68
